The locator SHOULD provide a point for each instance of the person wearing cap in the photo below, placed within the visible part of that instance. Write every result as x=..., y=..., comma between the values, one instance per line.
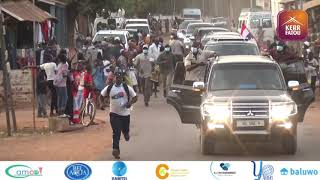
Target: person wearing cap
x=166, y=61
x=122, y=97
x=145, y=66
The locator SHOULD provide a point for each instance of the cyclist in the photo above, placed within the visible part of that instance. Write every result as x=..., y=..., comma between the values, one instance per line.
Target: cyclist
x=121, y=98
x=88, y=85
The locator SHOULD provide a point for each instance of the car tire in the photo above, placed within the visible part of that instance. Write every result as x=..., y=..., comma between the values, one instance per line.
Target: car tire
x=289, y=141
x=206, y=143
x=289, y=144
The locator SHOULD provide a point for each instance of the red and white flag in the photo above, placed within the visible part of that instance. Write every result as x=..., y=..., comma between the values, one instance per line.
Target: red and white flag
x=245, y=33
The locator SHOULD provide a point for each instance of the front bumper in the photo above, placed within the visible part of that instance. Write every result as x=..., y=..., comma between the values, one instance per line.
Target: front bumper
x=273, y=132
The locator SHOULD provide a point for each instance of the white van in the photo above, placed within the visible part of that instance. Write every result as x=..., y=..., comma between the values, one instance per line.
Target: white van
x=254, y=19
x=191, y=13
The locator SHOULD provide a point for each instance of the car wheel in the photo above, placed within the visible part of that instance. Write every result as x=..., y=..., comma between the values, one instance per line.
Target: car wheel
x=289, y=143
x=206, y=143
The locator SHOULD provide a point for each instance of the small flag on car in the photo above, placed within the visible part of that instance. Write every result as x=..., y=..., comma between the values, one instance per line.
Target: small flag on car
x=245, y=33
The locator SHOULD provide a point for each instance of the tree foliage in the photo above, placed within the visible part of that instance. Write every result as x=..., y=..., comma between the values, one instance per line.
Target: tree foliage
x=92, y=7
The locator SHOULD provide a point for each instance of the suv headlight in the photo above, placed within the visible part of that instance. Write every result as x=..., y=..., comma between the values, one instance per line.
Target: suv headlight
x=218, y=112
x=281, y=111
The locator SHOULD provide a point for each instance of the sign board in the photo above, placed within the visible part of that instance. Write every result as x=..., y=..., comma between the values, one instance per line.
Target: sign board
x=21, y=85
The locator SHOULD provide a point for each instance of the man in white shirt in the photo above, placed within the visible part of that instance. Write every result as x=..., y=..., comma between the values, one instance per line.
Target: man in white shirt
x=154, y=51
x=50, y=69
x=121, y=97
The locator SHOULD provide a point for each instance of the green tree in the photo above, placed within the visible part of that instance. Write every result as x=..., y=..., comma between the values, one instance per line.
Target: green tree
x=88, y=8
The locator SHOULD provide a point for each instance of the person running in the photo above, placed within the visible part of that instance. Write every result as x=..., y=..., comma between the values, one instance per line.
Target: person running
x=122, y=97
x=145, y=67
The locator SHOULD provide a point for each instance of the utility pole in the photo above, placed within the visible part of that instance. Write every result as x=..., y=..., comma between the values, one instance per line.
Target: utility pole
x=253, y=4
x=203, y=2
x=5, y=74
x=33, y=83
x=136, y=7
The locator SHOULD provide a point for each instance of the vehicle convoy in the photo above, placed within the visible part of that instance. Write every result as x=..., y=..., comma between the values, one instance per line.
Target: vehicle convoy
x=183, y=27
x=192, y=30
x=245, y=99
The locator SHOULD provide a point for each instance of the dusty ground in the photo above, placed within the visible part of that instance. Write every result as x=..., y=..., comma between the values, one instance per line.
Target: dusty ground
x=85, y=144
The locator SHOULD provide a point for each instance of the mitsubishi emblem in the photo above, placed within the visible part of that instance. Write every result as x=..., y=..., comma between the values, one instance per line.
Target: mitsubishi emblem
x=250, y=113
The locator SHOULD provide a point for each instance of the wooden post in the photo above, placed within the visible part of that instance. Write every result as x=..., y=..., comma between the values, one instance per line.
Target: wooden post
x=34, y=72
x=5, y=74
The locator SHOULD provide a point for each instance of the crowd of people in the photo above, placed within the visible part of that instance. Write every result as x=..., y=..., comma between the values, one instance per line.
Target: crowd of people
x=283, y=53
x=109, y=69
x=144, y=64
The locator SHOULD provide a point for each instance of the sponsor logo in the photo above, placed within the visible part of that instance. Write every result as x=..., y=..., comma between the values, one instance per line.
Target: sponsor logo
x=265, y=171
x=163, y=171
x=225, y=166
x=78, y=171
x=299, y=172
x=221, y=170
x=119, y=169
x=292, y=25
x=23, y=171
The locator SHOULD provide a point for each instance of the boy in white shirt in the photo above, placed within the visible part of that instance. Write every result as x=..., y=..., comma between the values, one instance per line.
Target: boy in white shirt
x=121, y=97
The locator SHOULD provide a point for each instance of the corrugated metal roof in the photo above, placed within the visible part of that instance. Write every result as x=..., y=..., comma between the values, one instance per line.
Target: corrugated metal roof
x=54, y=2
x=25, y=11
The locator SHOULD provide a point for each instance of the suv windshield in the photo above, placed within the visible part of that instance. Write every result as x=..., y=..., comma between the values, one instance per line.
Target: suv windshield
x=227, y=49
x=102, y=37
x=185, y=24
x=245, y=77
x=193, y=28
x=142, y=28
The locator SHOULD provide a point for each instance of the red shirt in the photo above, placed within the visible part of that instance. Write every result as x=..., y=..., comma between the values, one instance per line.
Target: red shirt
x=87, y=80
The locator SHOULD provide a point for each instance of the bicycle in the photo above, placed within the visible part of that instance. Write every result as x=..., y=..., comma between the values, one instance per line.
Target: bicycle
x=88, y=111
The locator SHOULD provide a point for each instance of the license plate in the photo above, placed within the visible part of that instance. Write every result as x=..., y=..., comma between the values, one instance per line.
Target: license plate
x=250, y=123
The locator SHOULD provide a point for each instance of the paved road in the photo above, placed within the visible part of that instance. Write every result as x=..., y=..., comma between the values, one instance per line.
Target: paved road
x=157, y=134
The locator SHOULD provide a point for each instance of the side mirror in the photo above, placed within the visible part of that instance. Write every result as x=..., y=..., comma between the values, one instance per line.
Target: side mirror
x=293, y=85
x=198, y=86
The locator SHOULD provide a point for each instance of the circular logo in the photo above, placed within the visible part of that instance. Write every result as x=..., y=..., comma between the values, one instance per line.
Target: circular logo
x=78, y=171
x=119, y=168
x=162, y=171
x=268, y=170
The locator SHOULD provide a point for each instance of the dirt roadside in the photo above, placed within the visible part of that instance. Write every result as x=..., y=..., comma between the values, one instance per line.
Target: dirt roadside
x=85, y=144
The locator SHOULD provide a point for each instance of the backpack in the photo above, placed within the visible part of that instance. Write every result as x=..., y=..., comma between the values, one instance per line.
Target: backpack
x=125, y=87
